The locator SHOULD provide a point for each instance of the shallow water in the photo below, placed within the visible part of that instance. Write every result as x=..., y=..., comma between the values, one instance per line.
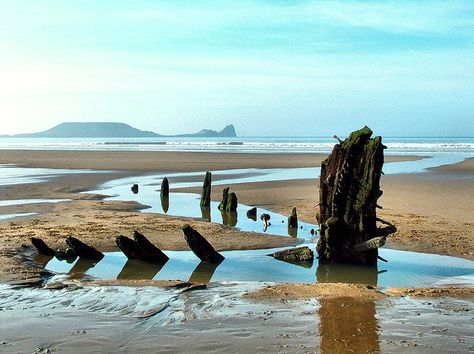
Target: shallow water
x=14, y=216
x=14, y=202
x=13, y=175
x=404, y=269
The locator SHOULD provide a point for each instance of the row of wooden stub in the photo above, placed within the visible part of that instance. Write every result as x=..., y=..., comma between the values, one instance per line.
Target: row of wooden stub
x=137, y=248
x=76, y=249
x=227, y=206
x=348, y=193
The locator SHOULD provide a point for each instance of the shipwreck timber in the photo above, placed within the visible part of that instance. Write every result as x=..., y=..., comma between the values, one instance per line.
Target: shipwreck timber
x=348, y=193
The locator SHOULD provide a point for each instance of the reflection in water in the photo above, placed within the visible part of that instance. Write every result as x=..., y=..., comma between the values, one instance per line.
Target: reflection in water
x=405, y=269
x=229, y=218
x=348, y=325
x=206, y=213
x=165, y=204
x=137, y=269
x=82, y=266
x=293, y=231
x=41, y=259
x=203, y=272
x=304, y=264
x=346, y=273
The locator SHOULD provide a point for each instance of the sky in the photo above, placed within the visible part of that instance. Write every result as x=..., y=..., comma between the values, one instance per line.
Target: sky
x=280, y=68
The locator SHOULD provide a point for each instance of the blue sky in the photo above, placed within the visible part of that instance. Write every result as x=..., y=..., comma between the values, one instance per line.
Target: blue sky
x=269, y=67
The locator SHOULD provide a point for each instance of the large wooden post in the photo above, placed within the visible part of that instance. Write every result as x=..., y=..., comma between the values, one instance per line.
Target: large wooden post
x=348, y=194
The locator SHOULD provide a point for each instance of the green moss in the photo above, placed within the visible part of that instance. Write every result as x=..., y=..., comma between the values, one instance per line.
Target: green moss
x=356, y=137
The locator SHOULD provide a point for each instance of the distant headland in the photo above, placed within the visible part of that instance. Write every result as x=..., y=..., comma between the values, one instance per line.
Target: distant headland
x=115, y=130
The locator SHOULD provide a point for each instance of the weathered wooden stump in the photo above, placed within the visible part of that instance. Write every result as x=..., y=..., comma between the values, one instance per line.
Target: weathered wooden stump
x=293, y=219
x=128, y=246
x=42, y=247
x=300, y=255
x=165, y=195
x=165, y=188
x=148, y=251
x=348, y=194
x=225, y=197
x=206, y=190
x=232, y=203
x=266, y=221
x=229, y=201
x=252, y=213
x=83, y=250
x=200, y=246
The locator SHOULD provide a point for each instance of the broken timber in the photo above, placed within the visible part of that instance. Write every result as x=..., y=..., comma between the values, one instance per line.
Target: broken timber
x=141, y=248
x=148, y=251
x=200, y=246
x=83, y=250
x=42, y=247
x=229, y=201
x=348, y=193
x=206, y=190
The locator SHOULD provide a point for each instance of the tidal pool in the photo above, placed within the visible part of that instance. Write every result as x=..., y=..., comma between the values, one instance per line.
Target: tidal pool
x=403, y=269
x=187, y=205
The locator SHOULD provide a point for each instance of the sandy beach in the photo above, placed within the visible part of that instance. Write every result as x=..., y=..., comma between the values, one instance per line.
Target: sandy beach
x=432, y=211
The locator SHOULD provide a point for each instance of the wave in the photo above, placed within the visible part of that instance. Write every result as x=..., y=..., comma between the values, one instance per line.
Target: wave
x=261, y=145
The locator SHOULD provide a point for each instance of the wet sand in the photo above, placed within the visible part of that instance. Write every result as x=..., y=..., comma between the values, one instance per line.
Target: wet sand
x=224, y=318
x=98, y=222
x=433, y=210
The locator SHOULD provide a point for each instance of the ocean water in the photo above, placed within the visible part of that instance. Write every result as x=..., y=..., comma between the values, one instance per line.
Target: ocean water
x=396, y=145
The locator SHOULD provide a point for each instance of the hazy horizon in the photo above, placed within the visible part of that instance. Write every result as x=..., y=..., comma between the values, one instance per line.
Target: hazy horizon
x=247, y=136
x=277, y=68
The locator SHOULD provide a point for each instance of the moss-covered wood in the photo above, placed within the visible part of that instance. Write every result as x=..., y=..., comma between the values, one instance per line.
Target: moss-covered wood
x=225, y=196
x=206, y=190
x=229, y=201
x=348, y=194
x=293, y=219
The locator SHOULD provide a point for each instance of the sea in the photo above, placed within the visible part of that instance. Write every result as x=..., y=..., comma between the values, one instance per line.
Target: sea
x=254, y=144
